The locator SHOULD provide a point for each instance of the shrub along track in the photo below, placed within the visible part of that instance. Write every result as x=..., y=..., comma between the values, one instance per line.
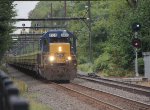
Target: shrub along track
x=102, y=100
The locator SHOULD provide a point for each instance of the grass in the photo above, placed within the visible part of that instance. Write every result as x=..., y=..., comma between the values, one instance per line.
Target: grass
x=118, y=72
x=34, y=105
x=22, y=86
x=31, y=97
x=3, y=68
x=38, y=106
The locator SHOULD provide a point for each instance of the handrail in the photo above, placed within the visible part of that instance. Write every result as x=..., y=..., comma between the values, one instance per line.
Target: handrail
x=9, y=95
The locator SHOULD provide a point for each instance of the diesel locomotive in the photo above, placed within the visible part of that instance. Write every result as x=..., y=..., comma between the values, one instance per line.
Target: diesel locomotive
x=56, y=58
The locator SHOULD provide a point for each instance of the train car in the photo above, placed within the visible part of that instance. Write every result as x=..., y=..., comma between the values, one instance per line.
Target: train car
x=56, y=59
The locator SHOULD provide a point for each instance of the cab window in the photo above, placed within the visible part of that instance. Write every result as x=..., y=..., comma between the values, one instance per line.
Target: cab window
x=63, y=39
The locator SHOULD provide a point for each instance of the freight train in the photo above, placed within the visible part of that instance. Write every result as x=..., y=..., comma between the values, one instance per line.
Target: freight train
x=56, y=58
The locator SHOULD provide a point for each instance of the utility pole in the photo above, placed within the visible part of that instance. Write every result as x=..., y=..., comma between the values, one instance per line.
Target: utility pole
x=89, y=26
x=65, y=8
x=51, y=10
x=51, y=14
x=65, y=11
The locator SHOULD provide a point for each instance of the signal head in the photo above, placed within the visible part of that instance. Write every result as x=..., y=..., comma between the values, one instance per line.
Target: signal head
x=136, y=27
x=136, y=43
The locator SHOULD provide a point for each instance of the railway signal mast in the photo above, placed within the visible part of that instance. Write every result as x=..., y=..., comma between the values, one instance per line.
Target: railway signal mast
x=136, y=43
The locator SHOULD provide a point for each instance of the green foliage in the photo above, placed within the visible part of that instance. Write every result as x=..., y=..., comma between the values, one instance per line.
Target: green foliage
x=99, y=11
x=117, y=72
x=142, y=15
x=86, y=67
x=6, y=13
x=111, y=33
x=118, y=46
x=43, y=10
x=101, y=62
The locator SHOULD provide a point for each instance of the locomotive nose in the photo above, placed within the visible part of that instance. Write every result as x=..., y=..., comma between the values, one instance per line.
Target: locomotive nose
x=60, y=51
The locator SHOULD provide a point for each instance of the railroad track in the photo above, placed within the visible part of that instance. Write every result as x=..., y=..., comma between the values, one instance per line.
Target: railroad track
x=133, y=88
x=102, y=100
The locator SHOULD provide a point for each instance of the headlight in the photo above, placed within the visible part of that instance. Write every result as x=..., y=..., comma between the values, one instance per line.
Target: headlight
x=51, y=58
x=60, y=49
x=69, y=58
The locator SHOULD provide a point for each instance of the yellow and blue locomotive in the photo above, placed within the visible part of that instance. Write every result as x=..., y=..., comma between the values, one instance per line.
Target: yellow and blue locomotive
x=56, y=59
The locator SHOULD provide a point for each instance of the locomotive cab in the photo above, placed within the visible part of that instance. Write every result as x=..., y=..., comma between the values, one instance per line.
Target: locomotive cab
x=58, y=59
x=58, y=46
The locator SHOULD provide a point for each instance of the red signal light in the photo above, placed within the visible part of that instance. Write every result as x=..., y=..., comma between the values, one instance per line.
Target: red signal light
x=136, y=43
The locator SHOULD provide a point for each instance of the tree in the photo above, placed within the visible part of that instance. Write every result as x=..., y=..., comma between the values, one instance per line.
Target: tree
x=6, y=10
x=118, y=46
x=111, y=29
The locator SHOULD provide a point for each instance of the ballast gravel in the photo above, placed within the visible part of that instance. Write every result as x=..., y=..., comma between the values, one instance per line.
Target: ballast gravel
x=49, y=95
x=111, y=90
x=57, y=99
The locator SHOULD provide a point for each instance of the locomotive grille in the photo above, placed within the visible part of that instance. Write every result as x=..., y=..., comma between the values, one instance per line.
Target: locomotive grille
x=60, y=55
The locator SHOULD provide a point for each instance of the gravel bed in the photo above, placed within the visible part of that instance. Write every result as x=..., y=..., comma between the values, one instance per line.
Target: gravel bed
x=49, y=95
x=57, y=99
x=115, y=91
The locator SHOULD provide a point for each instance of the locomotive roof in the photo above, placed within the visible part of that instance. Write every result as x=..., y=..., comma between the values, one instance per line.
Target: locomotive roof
x=57, y=33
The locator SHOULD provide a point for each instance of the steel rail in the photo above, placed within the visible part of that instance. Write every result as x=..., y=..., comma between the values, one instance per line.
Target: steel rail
x=141, y=104
x=124, y=83
x=113, y=107
x=120, y=82
x=118, y=85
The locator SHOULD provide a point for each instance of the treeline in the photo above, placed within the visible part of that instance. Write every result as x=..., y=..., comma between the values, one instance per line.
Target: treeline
x=111, y=21
x=6, y=13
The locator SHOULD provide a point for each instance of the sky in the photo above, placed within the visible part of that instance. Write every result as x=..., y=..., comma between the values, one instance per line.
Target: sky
x=23, y=8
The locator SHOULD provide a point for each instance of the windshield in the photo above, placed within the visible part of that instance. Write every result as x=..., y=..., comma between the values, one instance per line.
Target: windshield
x=63, y=39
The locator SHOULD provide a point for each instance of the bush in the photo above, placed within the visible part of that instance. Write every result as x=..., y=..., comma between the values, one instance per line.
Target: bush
x=101, y=62
x=82, y=60
x=119, y=72
x=106, y=67
x=87, y=67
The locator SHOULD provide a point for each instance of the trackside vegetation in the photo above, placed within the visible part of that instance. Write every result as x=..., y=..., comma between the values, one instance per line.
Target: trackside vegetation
x=34, y=104
x=111, y=21
x=111, y=31
x=6, y=13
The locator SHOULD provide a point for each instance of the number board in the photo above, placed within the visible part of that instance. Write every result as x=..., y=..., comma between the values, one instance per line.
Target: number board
x=64, y=34
x=52, y=35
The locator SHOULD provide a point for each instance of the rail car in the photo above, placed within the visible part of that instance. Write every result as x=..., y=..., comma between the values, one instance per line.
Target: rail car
x=56, y=58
